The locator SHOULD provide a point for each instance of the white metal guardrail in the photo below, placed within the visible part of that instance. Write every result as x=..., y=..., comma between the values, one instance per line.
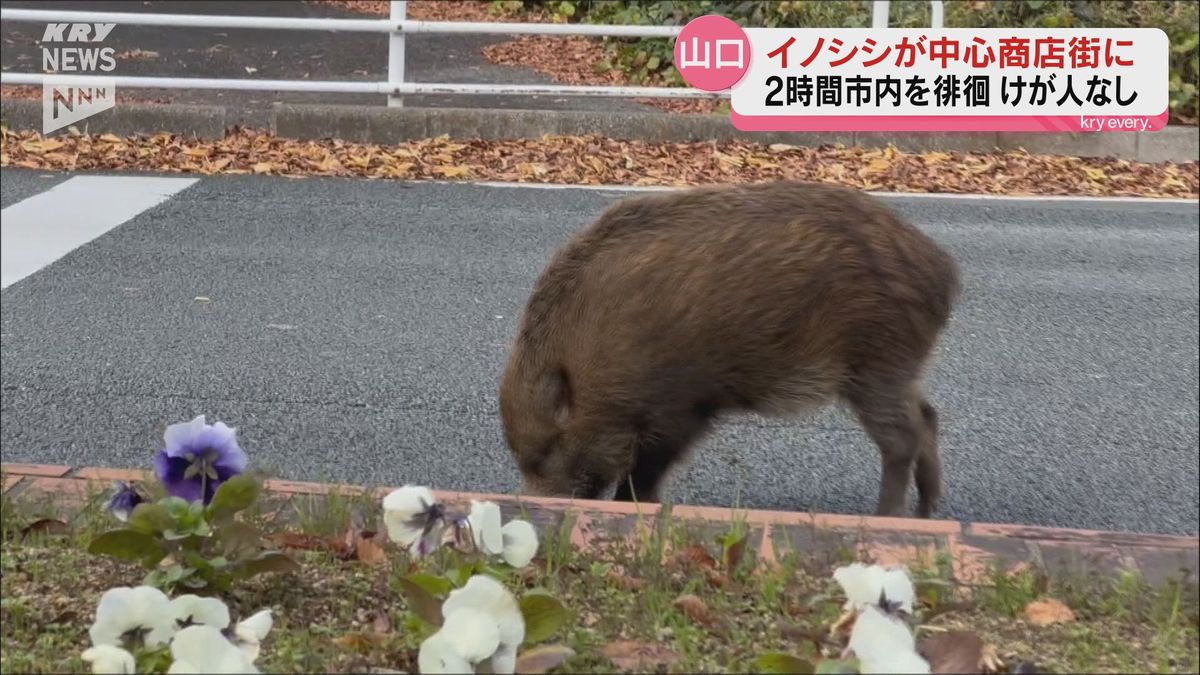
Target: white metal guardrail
x=397, y=26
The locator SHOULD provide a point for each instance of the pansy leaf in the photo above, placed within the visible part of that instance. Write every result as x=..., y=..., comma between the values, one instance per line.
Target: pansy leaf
x=151, y=519
x=193, y=582
x=543, y=613
x=837, y=666
x=175, y=535
x=128, y=544
x=235, y=494
x=421, y=602
x=197, y=562
x=238, y=540
x=176, y=506
x=779, y=662
x=434, y=585
x=153, y=660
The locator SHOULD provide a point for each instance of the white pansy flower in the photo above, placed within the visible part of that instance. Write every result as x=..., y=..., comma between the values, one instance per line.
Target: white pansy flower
x=251, y=631
x=883, y=644
x=485, y=527
x=467, y=638
x=483, y=627
x=475, y=635
x=142, y=612
x=109, y=659
x=484, y=594
x=505, y=659
x=191, y=610
x=520, y=542
x=414, y=519
x=864, y=584
x=203, y=649
x=438, y=655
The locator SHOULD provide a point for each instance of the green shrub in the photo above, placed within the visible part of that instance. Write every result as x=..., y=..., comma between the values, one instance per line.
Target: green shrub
x=651, y=61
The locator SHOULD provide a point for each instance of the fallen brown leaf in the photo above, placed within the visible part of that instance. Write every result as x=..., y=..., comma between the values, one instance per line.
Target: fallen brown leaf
x=1047, y=612
x=368, y=551
x=47, y=526
x=696, y=609
x=66, y=617
x=625, y=582
x=639, y=657
x=954, y=651
x=381, y=624
x=299, y=541
x=452, y=171
x=693, y=555
x=801, y=634
x=543, y=658
x=361, y=641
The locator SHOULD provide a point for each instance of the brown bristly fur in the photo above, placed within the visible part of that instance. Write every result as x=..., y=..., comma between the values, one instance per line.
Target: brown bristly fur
x=674, y=308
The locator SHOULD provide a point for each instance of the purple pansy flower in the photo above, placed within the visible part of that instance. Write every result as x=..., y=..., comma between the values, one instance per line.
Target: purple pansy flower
x=124, y=501
x=198, y=457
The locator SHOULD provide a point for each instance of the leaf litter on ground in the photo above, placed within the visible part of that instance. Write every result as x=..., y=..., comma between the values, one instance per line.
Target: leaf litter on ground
x=595, y=160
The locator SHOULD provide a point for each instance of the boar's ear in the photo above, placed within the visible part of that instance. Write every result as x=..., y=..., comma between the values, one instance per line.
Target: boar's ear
x=558, y=395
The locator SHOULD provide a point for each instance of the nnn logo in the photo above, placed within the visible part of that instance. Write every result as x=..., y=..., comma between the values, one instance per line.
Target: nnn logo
x=70, y=51
x=67, y=100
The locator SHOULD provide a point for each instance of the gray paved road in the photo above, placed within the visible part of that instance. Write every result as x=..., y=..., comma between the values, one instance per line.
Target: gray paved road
x=357, y=331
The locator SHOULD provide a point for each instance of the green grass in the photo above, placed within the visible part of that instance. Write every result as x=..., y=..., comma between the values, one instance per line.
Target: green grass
x=343, y=616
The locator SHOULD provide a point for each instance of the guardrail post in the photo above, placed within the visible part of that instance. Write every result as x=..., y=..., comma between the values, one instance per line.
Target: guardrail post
x=935, y=14
x=879, y=14
x=395, y=71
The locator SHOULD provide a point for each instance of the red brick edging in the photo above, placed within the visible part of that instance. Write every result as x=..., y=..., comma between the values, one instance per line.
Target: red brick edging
x=972, y=548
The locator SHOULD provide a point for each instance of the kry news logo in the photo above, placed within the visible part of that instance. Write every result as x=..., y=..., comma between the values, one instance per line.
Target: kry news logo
x=68, y=51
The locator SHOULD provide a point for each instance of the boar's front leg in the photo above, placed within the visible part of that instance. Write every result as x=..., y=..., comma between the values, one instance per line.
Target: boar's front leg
x=660, y=446
x=644, y=480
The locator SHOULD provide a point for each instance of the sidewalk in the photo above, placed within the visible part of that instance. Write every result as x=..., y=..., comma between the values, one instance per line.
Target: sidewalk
x=287, y=55
x=973, y=548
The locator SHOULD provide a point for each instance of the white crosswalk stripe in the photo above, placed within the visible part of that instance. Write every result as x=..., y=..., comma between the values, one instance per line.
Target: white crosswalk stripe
x=39, y=230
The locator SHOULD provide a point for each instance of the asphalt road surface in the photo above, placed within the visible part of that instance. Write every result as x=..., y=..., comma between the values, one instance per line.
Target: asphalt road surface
x=356, y=331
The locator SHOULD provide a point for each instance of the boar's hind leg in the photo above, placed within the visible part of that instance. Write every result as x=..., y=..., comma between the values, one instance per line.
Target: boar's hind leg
x=894, y=417
x=928, y=470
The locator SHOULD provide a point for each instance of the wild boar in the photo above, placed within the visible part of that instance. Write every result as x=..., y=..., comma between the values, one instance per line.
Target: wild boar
x=673, y=309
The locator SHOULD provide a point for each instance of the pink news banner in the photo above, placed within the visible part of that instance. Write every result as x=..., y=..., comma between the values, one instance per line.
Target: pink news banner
x=924, y=79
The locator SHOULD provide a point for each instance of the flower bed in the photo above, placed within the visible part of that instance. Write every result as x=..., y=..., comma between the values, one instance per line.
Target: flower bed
x=201, y=570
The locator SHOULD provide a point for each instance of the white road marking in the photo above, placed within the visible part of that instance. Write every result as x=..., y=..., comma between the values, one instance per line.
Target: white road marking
x=39, y=230
x=908, y=195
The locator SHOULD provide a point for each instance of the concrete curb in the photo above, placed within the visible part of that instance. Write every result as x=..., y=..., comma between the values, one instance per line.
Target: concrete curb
x=973, y=549
x=369, y=124
x=391, y=125
x=127, y=119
